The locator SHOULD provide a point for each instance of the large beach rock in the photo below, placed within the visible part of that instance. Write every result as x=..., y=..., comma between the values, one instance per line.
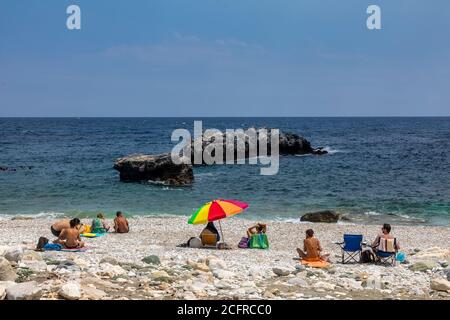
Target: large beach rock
x=440, y=284
x=155, y=168
x=6, y=271
x=327, y=216
x=152, y=259
x=24, y=291
x=423, y=265
x=2, y=292
x=433, y=253
x=70, y=291
x=281, y=271
x=93, y=293
x=14, y=254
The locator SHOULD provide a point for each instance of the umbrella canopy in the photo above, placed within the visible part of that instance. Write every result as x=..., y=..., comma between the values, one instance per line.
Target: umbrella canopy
x=216, y=210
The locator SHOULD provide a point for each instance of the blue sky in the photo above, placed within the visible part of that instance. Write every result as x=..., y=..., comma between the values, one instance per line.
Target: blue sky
x=224, y=58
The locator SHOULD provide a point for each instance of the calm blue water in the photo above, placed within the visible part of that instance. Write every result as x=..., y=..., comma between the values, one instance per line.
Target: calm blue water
x=379, y=169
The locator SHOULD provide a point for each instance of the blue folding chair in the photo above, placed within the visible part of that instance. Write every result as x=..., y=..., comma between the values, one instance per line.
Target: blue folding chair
x=351, y=248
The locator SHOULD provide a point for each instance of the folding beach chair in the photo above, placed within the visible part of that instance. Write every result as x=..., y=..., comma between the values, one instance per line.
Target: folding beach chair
x=386, y=252
x=351, y=248
x=209, y=240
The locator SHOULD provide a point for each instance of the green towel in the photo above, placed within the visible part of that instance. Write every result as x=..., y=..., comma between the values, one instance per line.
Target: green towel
x=259, y=241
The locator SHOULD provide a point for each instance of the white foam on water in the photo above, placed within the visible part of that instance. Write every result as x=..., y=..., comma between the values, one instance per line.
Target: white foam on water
x=40, y=215
x=331, y=150
x=373, y=213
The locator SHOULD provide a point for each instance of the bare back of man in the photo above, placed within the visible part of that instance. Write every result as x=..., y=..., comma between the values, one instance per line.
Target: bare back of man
x=121, y=225
x=70, y=238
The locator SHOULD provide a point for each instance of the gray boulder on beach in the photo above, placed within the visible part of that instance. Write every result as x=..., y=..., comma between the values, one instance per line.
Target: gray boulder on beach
x=327, y=216
x=6, y=271
x=154, y=168
x=24, y=291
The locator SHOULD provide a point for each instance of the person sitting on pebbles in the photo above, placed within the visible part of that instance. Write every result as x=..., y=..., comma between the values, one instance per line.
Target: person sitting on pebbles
x=58, y=226
x=312, y=250
x=258, y=228
x=99, y=224
x=121, y=223
x=70, y=237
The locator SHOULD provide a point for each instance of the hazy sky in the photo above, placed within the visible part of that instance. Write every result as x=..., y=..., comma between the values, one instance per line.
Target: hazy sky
x=224, y=58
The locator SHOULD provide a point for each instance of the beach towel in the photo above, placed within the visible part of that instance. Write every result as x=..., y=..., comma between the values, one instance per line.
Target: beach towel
x=74, y=249
x=52, y=247
x=315, y=263
x=92, y=235
x=259, y=241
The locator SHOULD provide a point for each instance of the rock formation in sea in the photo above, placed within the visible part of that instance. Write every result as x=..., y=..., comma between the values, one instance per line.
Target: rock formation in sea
x=327, y=216
x=154, y=168
x=289, y=144
x=161, y=169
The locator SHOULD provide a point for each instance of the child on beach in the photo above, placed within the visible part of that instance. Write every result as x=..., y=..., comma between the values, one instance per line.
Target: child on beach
x=121, y=223
x=99, y=224
x=312, y=249
x=70, y=237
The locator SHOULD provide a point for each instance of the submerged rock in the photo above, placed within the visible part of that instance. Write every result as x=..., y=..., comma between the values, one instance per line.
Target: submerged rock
x=154, y=168
x=327, y=216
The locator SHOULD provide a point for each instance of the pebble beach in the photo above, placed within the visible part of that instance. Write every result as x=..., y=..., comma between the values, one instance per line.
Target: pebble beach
x=147, y=264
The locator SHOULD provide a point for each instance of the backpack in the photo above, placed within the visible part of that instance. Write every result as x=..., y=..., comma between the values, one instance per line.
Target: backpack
x=243, y=244
x=41, y=243
x=367, y=256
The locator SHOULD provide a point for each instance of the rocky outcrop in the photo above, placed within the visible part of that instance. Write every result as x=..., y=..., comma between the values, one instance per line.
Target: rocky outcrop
x=161, y=169
x=154, y=168
x=289, y=144
x=326, y=216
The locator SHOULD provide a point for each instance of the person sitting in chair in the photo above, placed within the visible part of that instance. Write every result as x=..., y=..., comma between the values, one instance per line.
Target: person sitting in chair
x=209, y=231
x=385, y=234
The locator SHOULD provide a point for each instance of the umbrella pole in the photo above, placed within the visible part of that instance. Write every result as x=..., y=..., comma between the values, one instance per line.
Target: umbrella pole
x=221, y=232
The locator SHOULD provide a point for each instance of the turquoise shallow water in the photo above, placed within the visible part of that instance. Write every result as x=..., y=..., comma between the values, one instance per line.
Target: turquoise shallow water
x=379, y=169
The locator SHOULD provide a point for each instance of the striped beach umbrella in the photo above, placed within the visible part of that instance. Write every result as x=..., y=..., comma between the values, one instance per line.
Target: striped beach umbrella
x=217, y=210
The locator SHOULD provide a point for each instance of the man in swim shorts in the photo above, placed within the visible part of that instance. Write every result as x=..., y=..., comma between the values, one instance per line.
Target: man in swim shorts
x=70, y=237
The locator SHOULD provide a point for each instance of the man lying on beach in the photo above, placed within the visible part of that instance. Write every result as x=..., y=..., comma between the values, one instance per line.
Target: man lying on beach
x=58, y=226
x=312, y=249
x=70, y=237
x=121, y=223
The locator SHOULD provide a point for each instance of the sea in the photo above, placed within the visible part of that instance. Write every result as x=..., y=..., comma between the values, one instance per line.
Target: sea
x=377, y=170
